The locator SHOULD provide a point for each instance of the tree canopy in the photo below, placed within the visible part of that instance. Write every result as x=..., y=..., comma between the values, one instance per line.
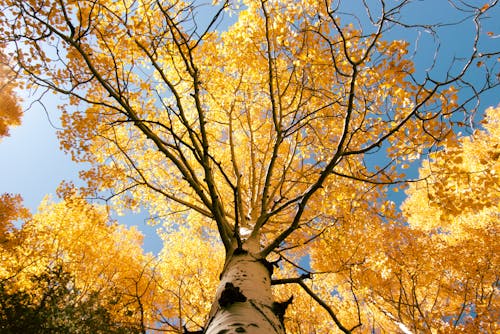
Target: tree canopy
x=270, y=134
x=10, y=109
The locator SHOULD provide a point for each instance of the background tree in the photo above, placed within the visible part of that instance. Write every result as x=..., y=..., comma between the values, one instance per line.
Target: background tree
x=11, y=210
x=54, y=305
x=264, y=133
x=10, y=109
x=70, y=270
x=189, y=266
x=456, y=207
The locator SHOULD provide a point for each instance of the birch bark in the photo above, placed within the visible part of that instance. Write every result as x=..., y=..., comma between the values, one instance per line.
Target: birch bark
x=244, y=300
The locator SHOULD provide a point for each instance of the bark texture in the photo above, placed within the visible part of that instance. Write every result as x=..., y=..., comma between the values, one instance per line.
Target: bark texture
x=244, y=300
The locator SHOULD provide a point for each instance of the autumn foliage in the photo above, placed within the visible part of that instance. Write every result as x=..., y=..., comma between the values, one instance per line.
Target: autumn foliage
x=10, y=109
x=281, y=133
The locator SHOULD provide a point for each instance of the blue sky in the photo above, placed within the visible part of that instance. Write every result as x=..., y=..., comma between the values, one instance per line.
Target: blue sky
x=32, y=165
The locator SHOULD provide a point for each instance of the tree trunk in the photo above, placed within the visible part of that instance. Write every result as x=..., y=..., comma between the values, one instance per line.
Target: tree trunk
x=244, y=301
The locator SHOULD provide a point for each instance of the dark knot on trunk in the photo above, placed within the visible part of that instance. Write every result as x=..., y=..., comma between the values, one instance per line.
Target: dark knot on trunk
x=230, y=295
x=280, y=308
x=186, y=331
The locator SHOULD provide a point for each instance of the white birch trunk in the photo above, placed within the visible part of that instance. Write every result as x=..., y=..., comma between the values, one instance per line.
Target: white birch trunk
x=244, y=301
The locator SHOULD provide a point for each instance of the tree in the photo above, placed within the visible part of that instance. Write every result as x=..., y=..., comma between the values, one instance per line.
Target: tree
x=457, y=203
x=10, y=110
x=263, y=133
x=188, y=266
x=70, y=270
x=53, y=306
x=11, y=210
